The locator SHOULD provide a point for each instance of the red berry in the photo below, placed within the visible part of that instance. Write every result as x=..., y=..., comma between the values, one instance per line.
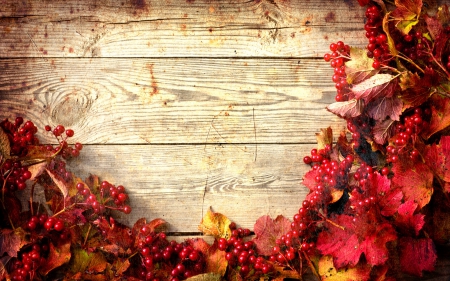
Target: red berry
x=69, y=133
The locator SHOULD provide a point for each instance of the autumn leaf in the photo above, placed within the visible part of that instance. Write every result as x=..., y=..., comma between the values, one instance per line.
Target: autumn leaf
x=417, y=255
x=5, y=146
x=328, y=272
x=118, y=234
x=385, y=107
x=365, y=235
x=415, y=90
x=268, y=230
x=11, y=241
x=359, y=67
x=309, y=179
x=415, y=180
x=215, y=224
x=85, y=263
x=215, y=260
x=206, y=277
x=347, y=109
x=407, y=220
x=383, y=131
x=37, y=169
x=406, y=14
x=377, y=86
x=285, y=273
x=440, y=116
x=389, y=199
x=60, y=183
x=391, y=43
x=437, y=156
x=57, y=256
x=324, y=137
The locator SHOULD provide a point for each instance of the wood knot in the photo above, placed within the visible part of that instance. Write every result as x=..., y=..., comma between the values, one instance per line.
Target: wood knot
x=72, y=107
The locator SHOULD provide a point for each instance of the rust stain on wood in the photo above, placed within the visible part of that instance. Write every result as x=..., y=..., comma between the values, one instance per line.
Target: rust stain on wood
x=330, y=17
x=153, y=83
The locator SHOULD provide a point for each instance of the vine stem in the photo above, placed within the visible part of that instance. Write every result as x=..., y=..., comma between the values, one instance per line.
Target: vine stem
x=332, y=222
x=87, y=235
x=311, y=265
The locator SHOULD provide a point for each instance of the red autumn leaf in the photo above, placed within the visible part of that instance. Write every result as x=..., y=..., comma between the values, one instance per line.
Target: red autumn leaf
x=415, y=89
x=440, y=116
x=417, y=255
x=359, y=67
x=406, y=14
x=365, y=235
x=407, y=220
x=115, y=233
x=383, y=131
x=268, y=230
x=309, y=179
x=415, y=179
x=377, y=86
x=346, y=109
x=389, y=199
x=385, y=106
x=57, y=256
x=438, y=159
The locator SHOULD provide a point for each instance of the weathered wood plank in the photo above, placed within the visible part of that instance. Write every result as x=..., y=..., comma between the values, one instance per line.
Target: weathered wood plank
x=180, y=182
x=179, y=28
x=172, y=100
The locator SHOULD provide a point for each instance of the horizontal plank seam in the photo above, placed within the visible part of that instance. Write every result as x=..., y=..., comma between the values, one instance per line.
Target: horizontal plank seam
x=172, y=57
x=196, y=143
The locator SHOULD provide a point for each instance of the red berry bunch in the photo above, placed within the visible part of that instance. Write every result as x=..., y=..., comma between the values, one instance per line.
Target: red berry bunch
x=337, y=58
x=242, y=254
x=61, y=134
x=377, y=48
x=30, y=259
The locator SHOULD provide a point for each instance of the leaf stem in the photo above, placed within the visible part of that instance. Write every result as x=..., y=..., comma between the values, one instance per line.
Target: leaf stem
x=311, y=266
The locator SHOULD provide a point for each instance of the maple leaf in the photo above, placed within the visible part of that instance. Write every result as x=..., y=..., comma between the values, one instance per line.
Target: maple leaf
x=380, y=85
x=367, y=234
x=215, y=224
x=268, y=230
x=406, y=14
x=417, y=255
x=5, y=146
x=437, y=156
x=324, y=137
x=407, y=220
x=385, y=106
x=329, y=273
x=415, y=179
x=383, y=131
x=57, y=256
x=346, y=109
x=359, y=67
x=440, y=116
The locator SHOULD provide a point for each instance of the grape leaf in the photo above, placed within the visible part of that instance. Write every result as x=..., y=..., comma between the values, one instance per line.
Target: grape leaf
x=365, y=235
x=329, y=273
x=57, y=256
x=380, y=85
x=407, y=220
x=347, y=109
x=406, y=14
x=415, y=179
x=385, y=106
x=5, y=146
x=438, y=159
x=215, y=224
x=324, y=137
x=440, y=115
x=268, y=230
x=383, y=131
x=417, y=255
x=359, y=67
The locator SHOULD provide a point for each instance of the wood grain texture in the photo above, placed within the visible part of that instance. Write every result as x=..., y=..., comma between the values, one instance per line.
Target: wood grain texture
x=179, y=28
x=136, y=101
x=180, y=182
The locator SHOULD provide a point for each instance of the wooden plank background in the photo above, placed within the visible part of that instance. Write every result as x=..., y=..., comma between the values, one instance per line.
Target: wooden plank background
x=187, y=103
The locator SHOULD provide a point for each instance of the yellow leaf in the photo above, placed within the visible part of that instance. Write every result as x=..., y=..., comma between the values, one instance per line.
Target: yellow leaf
x=324, y=137
x=215, y=224
x=328, y=272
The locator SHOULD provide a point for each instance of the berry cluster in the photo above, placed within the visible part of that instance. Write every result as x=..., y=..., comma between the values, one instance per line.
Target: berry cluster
x=100, y=199
x=61, y=134
x=337, y=58
x=242, y=254
x=25, y=267
x=156, y=252
x=38, y=222
x=377, y=48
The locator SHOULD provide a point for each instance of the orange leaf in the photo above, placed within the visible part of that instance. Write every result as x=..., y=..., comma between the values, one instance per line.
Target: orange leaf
x=215, y=224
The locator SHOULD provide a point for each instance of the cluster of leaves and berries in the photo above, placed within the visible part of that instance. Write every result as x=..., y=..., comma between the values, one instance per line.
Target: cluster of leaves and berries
x=378, y=204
